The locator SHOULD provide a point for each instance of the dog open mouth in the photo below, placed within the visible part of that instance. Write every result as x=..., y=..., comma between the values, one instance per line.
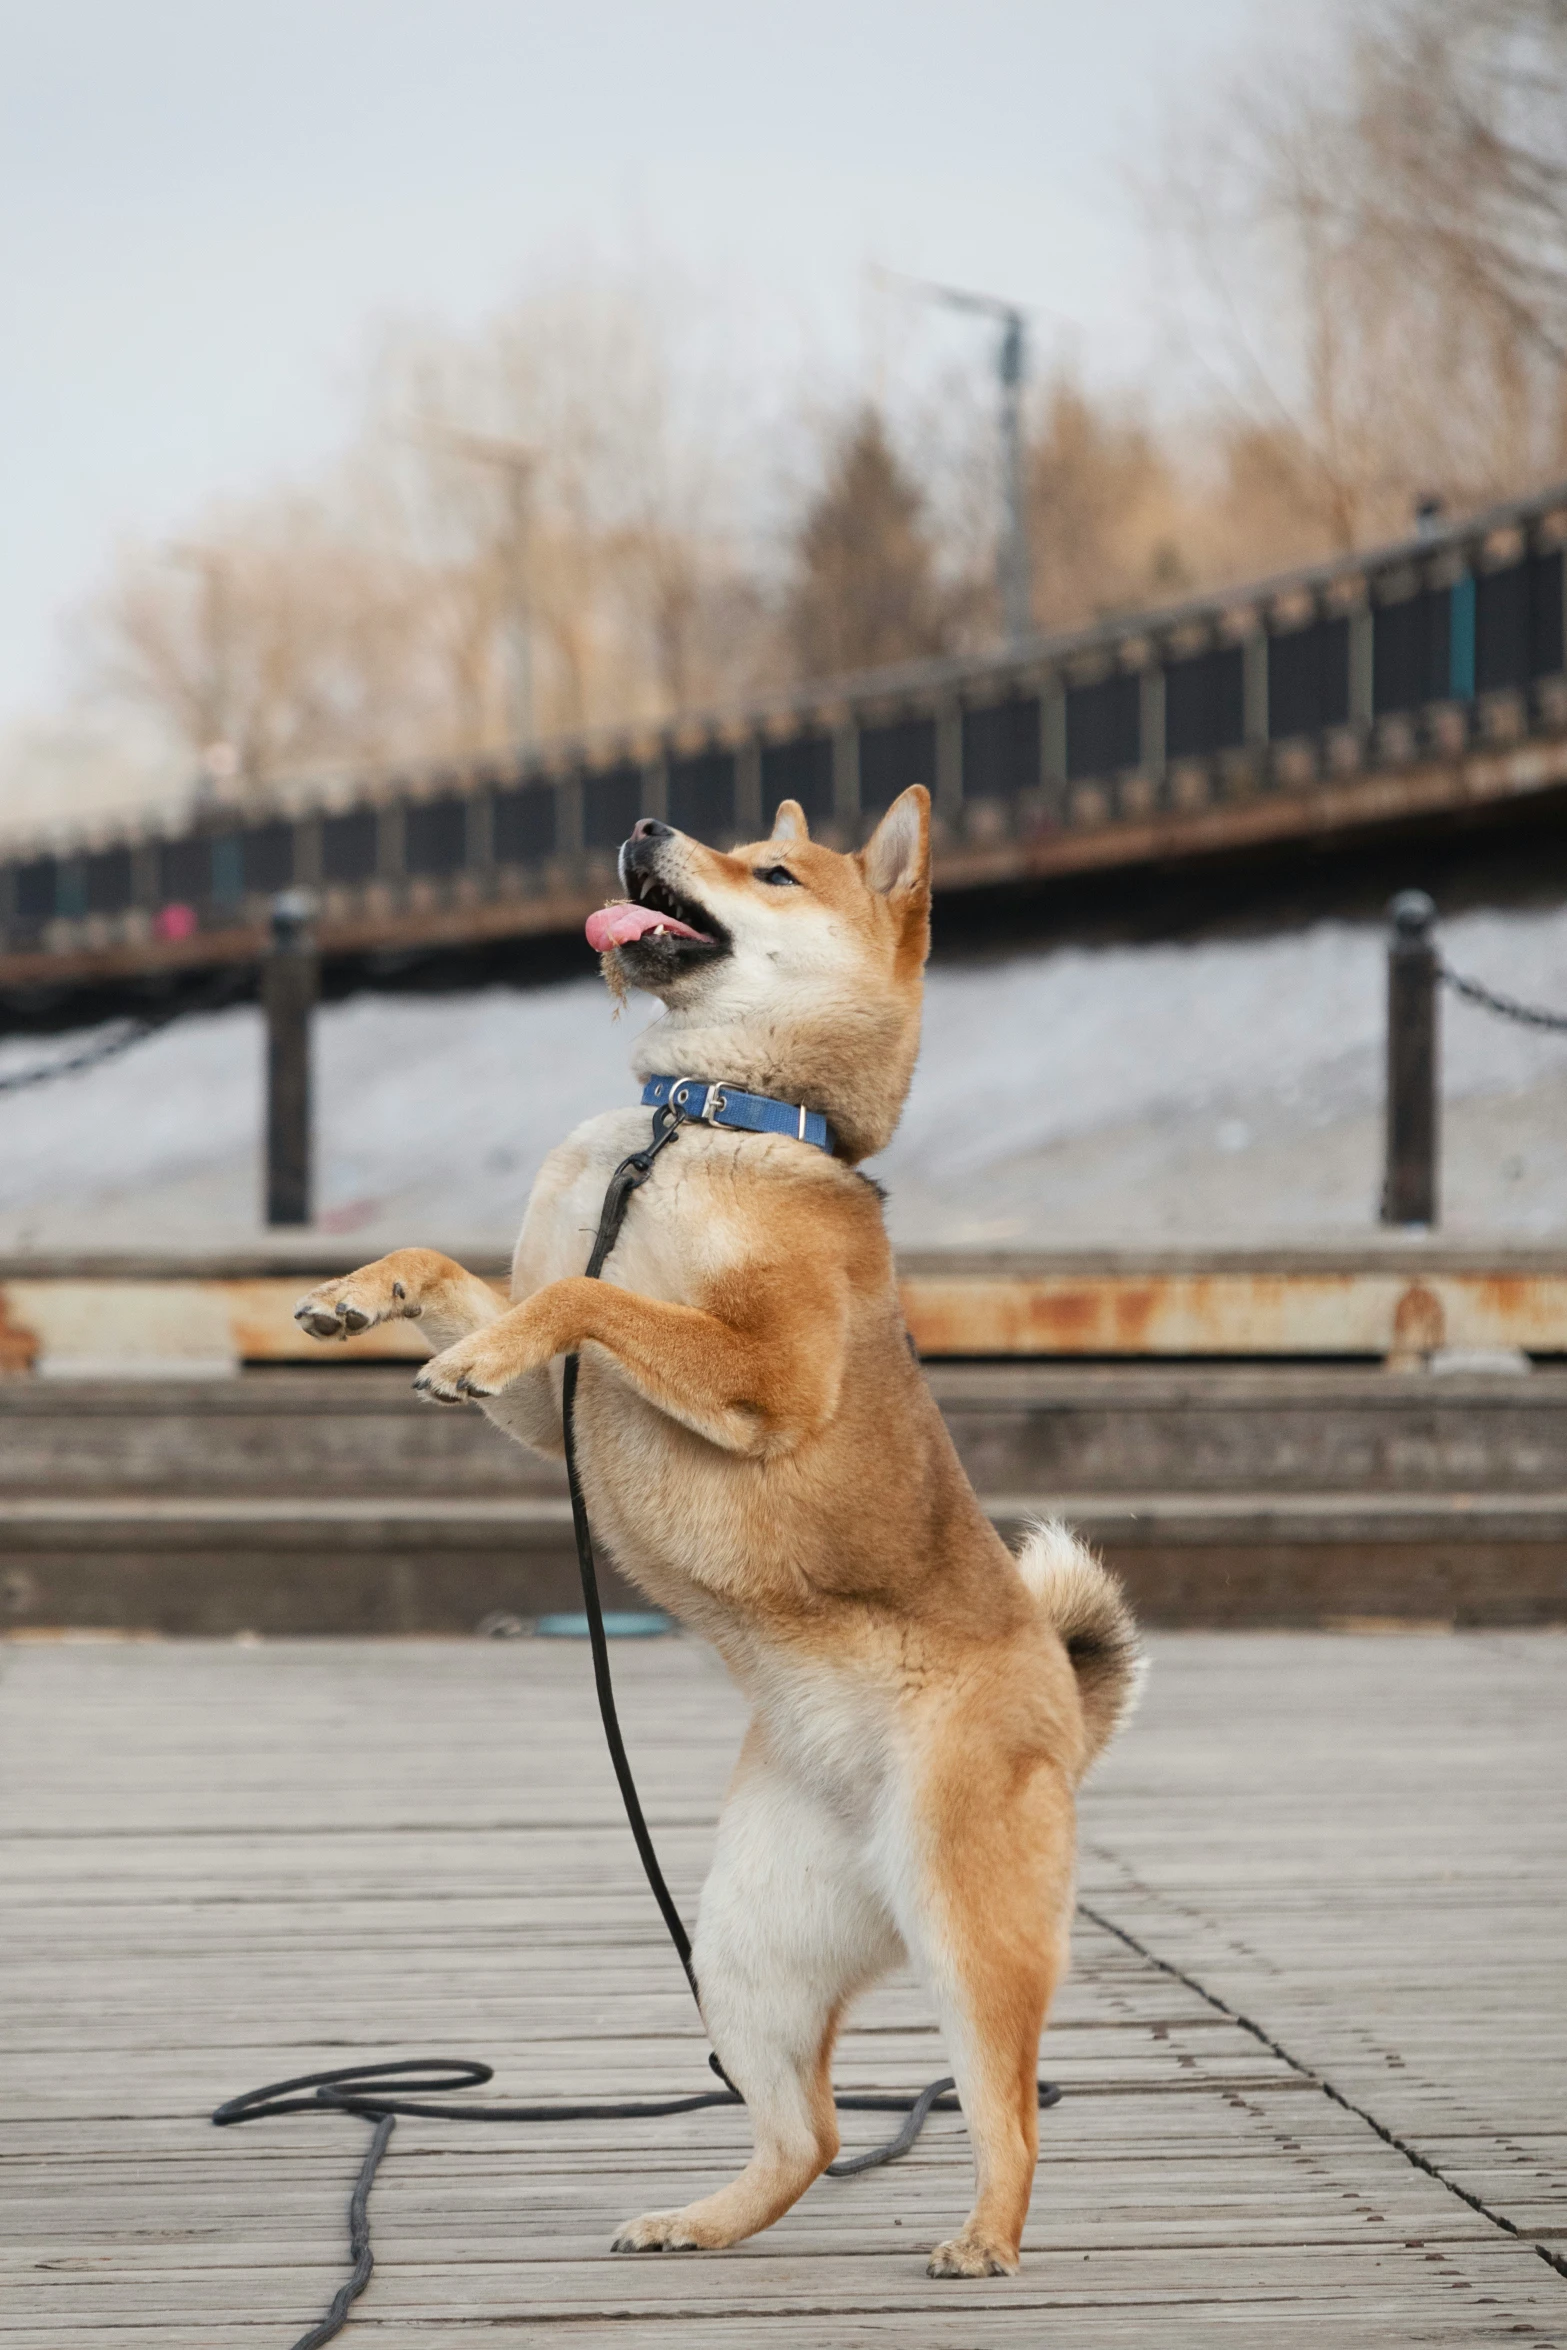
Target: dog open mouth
x=655, y=918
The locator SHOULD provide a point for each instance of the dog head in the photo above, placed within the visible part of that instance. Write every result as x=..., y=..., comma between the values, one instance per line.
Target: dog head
x=785, y=967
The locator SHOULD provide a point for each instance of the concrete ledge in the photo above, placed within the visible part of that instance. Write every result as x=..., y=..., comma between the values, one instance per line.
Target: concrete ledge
x=1413, y=1308
x=1398, y=1299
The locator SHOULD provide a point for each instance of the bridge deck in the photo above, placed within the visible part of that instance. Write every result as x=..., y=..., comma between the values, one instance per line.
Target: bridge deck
x=230, y=1862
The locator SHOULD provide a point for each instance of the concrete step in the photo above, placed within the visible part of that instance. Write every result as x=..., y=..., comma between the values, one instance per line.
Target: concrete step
x=1020, y=1427
x=332, y=1430
x=1295, y=1560
x=333, y=1500
x=1229, y=1428
x=220, y=1564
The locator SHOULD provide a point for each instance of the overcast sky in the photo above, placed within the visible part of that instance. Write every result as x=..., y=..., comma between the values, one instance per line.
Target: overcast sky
x=206, y=207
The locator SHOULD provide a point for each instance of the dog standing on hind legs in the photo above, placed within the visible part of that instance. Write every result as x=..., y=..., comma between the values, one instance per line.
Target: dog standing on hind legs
x=761, y=1454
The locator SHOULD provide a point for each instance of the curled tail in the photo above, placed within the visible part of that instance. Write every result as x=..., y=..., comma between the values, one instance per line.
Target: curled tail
x=1087, y=1607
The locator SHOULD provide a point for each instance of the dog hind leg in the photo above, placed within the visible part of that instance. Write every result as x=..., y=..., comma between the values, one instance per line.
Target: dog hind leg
x=789, y=1930
x=993, y=1916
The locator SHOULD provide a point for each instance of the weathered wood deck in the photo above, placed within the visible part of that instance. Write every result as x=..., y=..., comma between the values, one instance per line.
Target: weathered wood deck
x=231, y=1862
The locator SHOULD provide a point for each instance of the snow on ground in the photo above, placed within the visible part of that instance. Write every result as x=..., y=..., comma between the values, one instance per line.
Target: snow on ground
x=1224, y=1091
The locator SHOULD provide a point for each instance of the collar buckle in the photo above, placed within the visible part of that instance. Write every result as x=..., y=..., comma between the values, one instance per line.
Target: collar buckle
x=691, y=1098
x=686, y=1092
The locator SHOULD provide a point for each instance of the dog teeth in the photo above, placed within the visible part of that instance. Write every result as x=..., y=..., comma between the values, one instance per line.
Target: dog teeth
x=658, y=930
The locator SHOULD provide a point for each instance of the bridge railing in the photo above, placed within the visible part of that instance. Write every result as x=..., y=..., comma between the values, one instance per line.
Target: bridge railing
x=1317, y=682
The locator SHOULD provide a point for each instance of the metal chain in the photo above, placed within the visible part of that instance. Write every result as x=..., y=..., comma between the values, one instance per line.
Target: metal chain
x=109, y=1048
x=141, y=1026
x=106, y=1049
x=1506, y=1006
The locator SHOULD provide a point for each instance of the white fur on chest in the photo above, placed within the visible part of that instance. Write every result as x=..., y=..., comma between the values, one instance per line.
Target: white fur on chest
x=674, y=1511
x=693, y=1220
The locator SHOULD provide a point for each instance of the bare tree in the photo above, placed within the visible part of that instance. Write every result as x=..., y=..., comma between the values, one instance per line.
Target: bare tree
x=541, y=529
x=1379, y=246
x=634, y=572
x=1108, y=513
x=553, y=522
x=1463, y=109
x=866, y=589
x=275, y=634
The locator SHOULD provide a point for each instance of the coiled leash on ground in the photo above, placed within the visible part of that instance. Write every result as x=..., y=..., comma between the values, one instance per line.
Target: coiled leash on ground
x=352, y=2088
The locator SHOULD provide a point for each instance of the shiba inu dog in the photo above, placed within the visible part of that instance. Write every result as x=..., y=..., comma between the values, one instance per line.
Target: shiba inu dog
x=761, y=1454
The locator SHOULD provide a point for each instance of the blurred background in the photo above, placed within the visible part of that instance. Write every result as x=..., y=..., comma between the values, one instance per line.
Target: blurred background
x=395, y=391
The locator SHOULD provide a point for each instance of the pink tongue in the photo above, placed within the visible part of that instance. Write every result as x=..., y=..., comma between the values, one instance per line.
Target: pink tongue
x=616, y=926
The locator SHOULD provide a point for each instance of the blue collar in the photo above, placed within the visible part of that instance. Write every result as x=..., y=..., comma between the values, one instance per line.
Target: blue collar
x=726, y=1105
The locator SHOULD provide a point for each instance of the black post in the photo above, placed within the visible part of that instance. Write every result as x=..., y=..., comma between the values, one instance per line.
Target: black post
x=288, y=995
x=1409, y=1184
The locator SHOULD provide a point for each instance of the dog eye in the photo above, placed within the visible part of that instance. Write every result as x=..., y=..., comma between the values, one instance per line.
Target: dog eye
x=780, y=877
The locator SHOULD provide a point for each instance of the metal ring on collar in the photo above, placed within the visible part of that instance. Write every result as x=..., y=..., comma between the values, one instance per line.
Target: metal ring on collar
x=712, y=1098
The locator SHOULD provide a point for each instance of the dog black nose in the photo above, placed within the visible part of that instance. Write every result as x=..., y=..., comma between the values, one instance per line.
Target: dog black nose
x=649, y=828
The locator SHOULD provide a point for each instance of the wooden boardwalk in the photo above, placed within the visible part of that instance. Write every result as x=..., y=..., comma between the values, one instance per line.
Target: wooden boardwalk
x=228, y=1862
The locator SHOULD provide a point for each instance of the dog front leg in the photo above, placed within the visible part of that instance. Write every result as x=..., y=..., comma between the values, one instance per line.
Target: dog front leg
x=757, y=1380
x=411, y=1285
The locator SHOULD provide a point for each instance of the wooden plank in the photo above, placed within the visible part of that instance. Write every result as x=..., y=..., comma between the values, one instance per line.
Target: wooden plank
x=226, y=1863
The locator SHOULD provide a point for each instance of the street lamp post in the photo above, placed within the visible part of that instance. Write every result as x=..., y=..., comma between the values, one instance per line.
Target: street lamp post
x=1014, y=567
x=517, y=464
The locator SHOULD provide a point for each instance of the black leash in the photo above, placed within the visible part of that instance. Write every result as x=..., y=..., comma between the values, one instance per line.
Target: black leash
x=351, y=2088
x=628, y=1177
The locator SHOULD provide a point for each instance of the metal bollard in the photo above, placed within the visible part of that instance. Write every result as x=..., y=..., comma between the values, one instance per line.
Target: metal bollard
x=288, y=994
x=1409, y=1184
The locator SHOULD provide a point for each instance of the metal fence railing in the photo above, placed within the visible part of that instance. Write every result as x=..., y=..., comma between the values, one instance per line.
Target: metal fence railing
x=1323, y=681
x=287, y=982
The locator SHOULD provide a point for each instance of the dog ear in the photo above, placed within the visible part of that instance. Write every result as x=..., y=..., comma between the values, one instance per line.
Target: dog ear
x=789, y=823
x=897, y=855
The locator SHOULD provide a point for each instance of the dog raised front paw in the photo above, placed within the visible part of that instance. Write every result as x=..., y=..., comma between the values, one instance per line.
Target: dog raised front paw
x=655, y=2231
x=971, y=2256
x=341, y=1309
x=443, y=1380
x=486, y=1361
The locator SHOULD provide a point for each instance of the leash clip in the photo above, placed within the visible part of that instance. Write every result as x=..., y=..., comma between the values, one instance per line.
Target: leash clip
x=635, y=1169
x=714, y=1101
x=628, y=1177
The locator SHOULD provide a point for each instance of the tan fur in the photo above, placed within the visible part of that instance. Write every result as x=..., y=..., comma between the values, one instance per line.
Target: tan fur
x=1086, y=1606
x=763, y=1457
